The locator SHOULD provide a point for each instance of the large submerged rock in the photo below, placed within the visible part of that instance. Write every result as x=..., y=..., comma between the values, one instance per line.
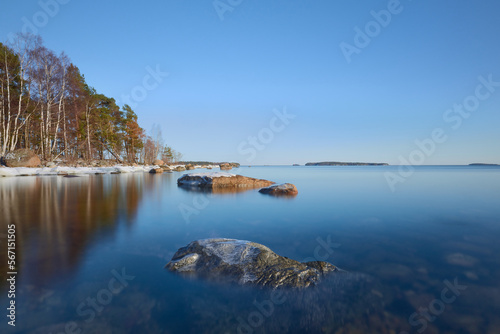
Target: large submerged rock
x=246, y=262
x=221, y=180
x=22, y=158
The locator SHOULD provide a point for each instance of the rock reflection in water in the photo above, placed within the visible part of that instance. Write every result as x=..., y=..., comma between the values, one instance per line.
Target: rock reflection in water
x=216, y=191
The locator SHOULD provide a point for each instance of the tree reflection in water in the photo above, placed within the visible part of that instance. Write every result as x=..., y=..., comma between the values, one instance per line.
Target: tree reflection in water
x=57, y=218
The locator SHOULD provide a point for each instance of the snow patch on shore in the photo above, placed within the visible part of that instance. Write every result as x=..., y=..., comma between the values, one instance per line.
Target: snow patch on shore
x=24, y=171
x=212, y=175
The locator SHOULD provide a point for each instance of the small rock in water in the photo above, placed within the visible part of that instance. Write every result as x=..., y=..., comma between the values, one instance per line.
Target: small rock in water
x=246, y=262
x=286, y=189
x=156, y=170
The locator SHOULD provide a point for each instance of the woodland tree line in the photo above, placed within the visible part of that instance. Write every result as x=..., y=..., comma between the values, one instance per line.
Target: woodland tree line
x=47, y=106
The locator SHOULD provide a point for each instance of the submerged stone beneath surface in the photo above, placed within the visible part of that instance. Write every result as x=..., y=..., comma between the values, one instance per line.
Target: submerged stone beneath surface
x=246, y=262
x=221, y=180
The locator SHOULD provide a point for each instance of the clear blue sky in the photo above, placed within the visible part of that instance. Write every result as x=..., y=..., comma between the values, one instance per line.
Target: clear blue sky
x=225, y=77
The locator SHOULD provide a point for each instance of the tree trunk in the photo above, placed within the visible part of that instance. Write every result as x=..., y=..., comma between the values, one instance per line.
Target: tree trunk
x=6, y=128
x=65, y=131
x=87, y=116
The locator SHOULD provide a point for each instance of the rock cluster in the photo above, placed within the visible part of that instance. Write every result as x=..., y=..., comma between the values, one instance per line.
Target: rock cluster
x=221, y=180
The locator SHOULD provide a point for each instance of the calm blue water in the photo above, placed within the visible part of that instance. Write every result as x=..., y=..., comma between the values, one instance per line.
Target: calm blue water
x=91, y=252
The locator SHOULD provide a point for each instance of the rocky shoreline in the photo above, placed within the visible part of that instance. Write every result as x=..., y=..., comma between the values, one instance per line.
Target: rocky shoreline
x=223, y=182
x=96, y=167
x=24, y=162
x=75, y=170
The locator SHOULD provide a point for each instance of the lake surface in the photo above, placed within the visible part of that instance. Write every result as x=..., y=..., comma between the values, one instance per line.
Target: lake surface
x=91, y=252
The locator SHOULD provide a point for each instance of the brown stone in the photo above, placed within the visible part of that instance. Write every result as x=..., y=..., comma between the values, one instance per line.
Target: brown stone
x=218, y=181
x=225, y=167
x=239, y=181
x=286, y=189
x=158, y=162
x=156, y=170
x=22, y=158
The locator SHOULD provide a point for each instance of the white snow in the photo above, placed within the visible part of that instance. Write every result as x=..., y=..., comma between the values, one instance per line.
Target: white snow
x=23, y=171
x=212, y=174
x=230, y=251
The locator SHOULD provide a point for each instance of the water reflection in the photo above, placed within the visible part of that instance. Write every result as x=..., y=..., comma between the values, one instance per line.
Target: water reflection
x=230, y=190
x=225, y=190
x=56, y=218
x=401, y=249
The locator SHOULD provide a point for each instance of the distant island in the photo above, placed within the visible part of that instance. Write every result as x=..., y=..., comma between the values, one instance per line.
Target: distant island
x=336, y=163
x=481, y=164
